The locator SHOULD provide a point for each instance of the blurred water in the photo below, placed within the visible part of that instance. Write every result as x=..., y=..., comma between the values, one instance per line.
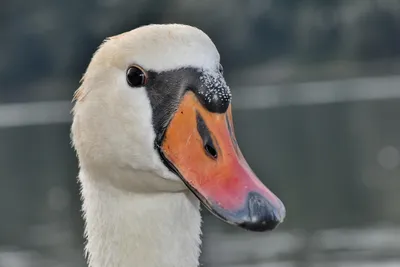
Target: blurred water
x=370, y=247
x=377, y=246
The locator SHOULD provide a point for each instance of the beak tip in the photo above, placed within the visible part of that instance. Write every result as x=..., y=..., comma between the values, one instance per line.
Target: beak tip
x=260, y=226
x=258, y=215
x=262, y=215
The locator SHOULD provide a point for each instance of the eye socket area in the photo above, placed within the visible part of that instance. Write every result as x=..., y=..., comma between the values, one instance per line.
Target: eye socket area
x=136, y=76
x=221, y=69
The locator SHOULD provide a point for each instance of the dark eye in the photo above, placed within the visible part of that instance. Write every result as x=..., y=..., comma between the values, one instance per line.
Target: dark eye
x=221, y=69
x=135, y=76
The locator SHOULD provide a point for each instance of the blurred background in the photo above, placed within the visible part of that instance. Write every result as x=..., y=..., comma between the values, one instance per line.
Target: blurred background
x=316, y=89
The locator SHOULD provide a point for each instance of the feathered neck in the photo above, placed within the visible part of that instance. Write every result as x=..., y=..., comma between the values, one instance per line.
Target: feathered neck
x=126, y=229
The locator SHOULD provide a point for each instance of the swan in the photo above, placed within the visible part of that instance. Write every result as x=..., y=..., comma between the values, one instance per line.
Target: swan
x=153, y=133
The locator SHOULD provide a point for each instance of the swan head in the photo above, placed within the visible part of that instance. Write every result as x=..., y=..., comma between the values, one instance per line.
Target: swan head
x=154, y=101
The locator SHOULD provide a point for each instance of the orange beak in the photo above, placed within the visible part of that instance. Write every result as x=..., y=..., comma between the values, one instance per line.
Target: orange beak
x=200, y=146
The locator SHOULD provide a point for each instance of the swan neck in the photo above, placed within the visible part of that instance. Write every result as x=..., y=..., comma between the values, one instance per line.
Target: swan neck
x=126, y=229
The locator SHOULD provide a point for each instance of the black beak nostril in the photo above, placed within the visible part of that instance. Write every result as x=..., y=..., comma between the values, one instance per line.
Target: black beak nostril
x=206, y=137
x=210, y=150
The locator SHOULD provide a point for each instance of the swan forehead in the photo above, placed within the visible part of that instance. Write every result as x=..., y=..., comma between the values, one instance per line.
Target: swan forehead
x=162, y=47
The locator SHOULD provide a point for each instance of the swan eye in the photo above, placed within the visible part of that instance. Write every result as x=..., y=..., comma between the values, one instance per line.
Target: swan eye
x=221, y=69
x=135, y=76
